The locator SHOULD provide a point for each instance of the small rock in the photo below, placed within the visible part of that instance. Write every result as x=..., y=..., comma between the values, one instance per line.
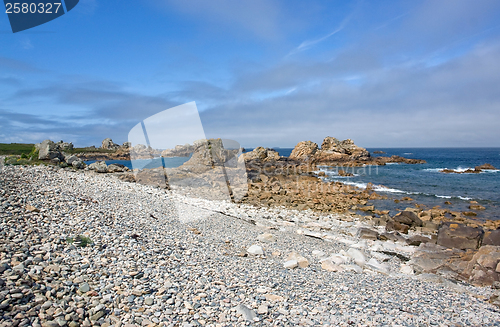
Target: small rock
x=248, y=314
x=255, y=250
x=84, y=288
x=290, y=264
x=266, y=238
x=262, y=309
x=330, y=266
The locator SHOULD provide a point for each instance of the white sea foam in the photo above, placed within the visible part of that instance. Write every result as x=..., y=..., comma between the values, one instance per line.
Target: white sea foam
x=460, y=169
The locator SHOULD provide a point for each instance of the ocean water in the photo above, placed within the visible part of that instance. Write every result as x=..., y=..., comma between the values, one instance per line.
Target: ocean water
x=422, y=182
x=427, y=185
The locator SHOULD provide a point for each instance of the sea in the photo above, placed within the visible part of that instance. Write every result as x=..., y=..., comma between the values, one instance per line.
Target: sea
x=424, y=183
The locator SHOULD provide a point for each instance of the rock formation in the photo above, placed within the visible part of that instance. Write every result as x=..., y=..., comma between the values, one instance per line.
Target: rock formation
x=179, y=151
x=304, y=151
x=263, y=154
x=48, y=150
x=335, y=152
x=108, y=144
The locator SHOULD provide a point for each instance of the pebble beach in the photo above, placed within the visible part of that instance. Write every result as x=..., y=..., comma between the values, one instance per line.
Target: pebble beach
x=159, y=257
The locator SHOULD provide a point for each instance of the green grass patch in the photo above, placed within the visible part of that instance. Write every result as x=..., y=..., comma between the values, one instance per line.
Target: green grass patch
x=80, y=240
x=87, y=150
x=16, y=148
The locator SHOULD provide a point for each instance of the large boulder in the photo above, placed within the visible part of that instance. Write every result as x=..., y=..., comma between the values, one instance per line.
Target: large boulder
x=99, y=166
x=49, y=150
x=75, y=162
x=79, y=164
x=408, y=218
x=492, y=237
x=108, y=144
x=482, y=269
x=454, y=235
x=305, y=150
x=117, y=168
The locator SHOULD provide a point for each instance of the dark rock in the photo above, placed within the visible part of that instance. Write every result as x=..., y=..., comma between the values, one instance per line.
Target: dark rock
x=396, y=226
x=408, y=218
x=492, y=237
x=485, y=166
x=390, y=237
x=454, y=235
x=416, y=240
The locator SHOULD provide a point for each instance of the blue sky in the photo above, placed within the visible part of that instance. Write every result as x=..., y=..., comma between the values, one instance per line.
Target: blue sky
x=264, y=73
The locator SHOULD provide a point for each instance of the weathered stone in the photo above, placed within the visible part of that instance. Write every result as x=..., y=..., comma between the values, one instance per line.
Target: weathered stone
x=266, y=238
x=302, y=261
x=396, y=226
x=99, y=166
x=49, y=151
x=454, y=235
x=357, y=255
x=492, y=237
x=108, y=144
x=367, y=234
x=328, y=265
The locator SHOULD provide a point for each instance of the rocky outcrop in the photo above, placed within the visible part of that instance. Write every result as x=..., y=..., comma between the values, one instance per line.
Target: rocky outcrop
x=485, y=166
x=65, y=146
x=459, y=236
x=263, y=154
x=140, y=151
x=179, y=151
x=108, y=144
x=208, y=154
x=49, y=150
x=304, y=151
x=331, y=148
x=476, y=170
x=335, y=152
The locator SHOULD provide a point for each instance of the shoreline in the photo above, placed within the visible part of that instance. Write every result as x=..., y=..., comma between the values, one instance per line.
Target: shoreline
x=148, y=265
